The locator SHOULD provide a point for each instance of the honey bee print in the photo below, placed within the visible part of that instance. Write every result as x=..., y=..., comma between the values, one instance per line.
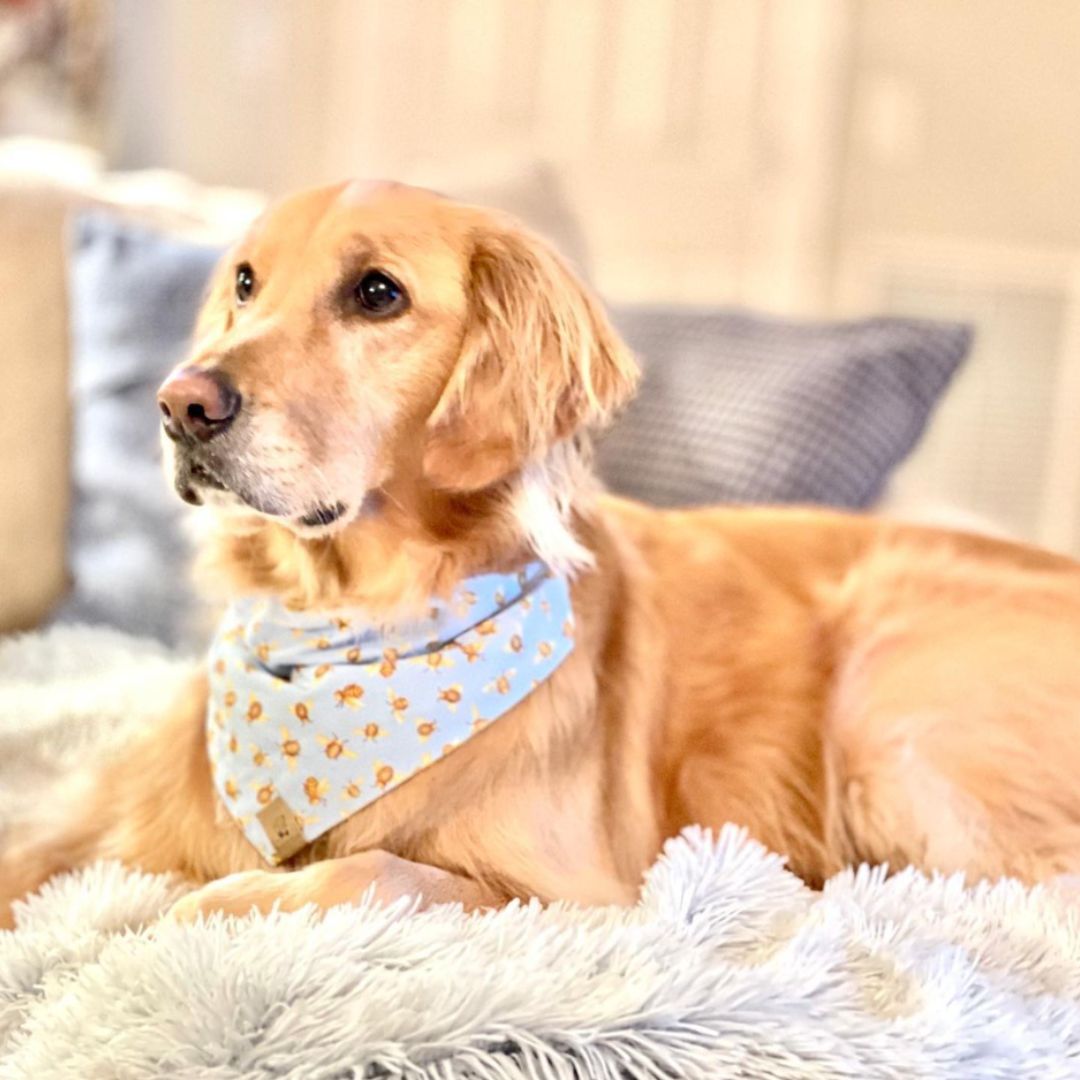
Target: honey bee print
x=486, y=628
x=229, y=699
x=515, y=643
x=259, y=757
x=478, y=722
x=264, y=650
x=501, y=684
x=399, y=705
x=384, y=775
x=451, y=696
x=342, y=624
x=302, y=711
x=567, y=628
x=264, y=793
x=234, y=743
x=219, y=720
x=471, y=650
x=425, y=729
x=353, y=789
x=316, y=790
x=333, y=747
x=438, y=660
x=389, y=663
x=543, y=652
x=290, y=748
x=255, y=714
x=232, y=789
x=350, y=695
x=321, y=672
x=321, y=643
x=353, y=655
x=371, y=732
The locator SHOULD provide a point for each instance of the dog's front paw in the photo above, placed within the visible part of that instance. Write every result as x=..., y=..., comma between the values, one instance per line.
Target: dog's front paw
x=237, y=894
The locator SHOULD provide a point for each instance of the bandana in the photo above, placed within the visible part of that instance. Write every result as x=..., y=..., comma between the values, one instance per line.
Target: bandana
x=313, y=715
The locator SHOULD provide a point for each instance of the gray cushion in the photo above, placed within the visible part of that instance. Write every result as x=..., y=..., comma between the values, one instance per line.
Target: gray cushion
x=134, y=293
x=738, y=408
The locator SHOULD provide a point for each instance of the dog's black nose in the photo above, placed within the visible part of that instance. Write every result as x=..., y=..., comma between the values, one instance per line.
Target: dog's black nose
x=197, y=404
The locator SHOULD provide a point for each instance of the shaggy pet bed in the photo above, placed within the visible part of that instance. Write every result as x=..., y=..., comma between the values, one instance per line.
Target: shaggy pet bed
x=728, y=966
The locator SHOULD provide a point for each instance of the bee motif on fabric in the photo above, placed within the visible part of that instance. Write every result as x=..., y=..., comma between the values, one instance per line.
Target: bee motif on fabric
x=316, y=790
x=290, y=748
x=471, y=650
x=451, y=695
x=399, y=705
x=438, y=660
x=334, y=747
x=264, y=794
x=350, y=695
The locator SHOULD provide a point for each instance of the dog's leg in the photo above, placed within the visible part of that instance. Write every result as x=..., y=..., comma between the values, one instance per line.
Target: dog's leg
x=336, y=881
x=151, y=806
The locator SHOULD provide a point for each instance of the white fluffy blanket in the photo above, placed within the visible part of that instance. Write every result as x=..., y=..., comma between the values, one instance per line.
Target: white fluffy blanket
x=728, y=967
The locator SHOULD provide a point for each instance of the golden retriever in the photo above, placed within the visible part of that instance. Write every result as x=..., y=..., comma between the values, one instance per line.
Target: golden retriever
x=391, y=392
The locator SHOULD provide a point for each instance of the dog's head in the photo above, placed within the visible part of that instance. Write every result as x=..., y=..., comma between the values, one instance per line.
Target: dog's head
x=368, y=342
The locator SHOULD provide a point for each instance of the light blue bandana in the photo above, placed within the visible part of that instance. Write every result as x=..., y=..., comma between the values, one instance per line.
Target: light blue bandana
x=314, y=716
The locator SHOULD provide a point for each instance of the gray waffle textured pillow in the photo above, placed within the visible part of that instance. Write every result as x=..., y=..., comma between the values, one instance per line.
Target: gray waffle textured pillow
x=738, y=408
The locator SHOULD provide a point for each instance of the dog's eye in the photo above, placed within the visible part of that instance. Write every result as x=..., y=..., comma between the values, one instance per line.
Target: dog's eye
x=245, y=283
x=379, y=294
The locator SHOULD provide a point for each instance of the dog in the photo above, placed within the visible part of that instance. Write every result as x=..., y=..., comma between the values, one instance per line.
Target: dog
x=389, y=397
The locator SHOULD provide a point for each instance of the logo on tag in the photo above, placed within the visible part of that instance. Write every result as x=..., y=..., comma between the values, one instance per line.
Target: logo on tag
x=283, y=829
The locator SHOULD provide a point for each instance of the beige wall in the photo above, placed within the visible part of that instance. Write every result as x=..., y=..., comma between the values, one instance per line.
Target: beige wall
x=740, y=144
x=695, y=138
x=965, y=120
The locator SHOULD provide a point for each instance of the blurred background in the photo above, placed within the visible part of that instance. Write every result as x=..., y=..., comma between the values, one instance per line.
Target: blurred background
x=819, y=159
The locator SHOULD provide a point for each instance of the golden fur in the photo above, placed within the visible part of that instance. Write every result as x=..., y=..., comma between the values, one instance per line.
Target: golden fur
x=847, y=688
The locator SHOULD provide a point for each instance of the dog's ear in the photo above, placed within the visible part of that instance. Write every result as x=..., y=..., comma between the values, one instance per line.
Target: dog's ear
x=539, y=362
